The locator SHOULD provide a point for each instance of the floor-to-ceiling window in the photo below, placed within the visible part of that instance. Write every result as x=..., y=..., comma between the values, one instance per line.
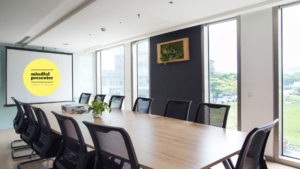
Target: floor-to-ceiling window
x=222, y=54
x=84, y=74
x=141, y=69
x=290, y=38
x=111, y=71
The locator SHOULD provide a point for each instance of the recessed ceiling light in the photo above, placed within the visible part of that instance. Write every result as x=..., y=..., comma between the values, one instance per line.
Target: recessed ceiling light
x=171, y=2
x=65, y=44
x=103, y=29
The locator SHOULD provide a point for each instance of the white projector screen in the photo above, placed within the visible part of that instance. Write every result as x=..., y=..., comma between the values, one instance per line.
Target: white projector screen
x=38, y=76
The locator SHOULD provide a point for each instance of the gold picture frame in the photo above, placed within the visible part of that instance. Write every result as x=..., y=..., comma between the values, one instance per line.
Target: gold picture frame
x=186, y=51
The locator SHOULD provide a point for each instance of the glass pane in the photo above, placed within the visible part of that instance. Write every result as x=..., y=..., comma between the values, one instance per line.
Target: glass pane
x=291, y=81
x=112, y=72
x=143, y=69
x=223, y=67
x=84, y=81
x=84, y=98
x=116, y=102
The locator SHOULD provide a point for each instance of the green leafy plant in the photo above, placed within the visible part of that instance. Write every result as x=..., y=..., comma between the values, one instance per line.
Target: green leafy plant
x=169, y=53
x=98, y=107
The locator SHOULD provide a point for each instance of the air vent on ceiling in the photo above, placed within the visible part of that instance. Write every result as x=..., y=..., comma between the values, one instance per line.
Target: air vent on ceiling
x=23, y=40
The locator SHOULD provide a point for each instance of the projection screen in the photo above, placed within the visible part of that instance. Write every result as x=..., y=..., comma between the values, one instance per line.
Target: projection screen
x=38, y=76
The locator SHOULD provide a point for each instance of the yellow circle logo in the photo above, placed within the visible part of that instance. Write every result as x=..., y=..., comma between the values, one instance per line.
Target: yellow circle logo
x=41, y=77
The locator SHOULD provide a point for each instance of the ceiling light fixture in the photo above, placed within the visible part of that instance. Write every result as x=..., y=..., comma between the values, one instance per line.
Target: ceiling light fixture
x=65, y=44
x=171, y=2
x=103, y=29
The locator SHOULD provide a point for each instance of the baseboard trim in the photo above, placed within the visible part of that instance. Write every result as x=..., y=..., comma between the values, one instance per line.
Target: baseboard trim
x=269, y=158
x=288, y=161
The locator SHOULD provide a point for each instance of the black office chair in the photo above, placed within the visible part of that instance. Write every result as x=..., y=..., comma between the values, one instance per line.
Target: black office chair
x=178, y=109
x=22, y=121
x=100, y=97
x=142, y=105
x=47, y=143
x=73, y=152
x=116, y=101
x=252, y=153
x=212, y=114
x=84, y=97
x=16, y=119
x=113, y=147
x=19, y=125
x=30, y=134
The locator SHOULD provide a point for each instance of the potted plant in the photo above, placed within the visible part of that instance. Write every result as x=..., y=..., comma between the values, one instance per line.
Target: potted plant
x=98, y=107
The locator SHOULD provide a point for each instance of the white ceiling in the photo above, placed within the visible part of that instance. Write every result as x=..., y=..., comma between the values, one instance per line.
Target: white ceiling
x=50, y=23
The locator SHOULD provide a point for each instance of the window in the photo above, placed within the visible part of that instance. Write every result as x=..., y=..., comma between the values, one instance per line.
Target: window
x=141, y=69
x=84, y=81
x=222, y=66
x=111, y=68
x=290, y=64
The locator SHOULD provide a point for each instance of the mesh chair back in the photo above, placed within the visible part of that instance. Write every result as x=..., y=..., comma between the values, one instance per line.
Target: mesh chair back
x=100, y=97
x=29, y=114
x=142, y=105
x=31, y=132
x=22, y=119
x=47, y=144
x=84, y=97
x=73, y=142
x=113, y=147
x=212, y=114
x=17, y=118
x=42, y=119
x=252, y=153
x=178, y=109
x=116, y=101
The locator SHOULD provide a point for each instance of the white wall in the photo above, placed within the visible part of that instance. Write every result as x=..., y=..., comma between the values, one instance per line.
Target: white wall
x=257, y=72
x=128, y=89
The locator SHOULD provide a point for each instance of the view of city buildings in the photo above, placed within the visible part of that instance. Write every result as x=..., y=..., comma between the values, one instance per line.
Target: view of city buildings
x=112, y=72
x=143, y=69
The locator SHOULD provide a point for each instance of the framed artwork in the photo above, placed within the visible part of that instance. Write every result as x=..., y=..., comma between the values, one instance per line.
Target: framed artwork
x=173, y=51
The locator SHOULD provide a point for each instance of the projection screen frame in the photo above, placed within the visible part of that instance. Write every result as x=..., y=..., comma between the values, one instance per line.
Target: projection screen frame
x=41, y=51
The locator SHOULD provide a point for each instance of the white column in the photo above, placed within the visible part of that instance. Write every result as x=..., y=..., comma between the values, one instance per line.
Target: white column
x=257, y=72
x=128, y=74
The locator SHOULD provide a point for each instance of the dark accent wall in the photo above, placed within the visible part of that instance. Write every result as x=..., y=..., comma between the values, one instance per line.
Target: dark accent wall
x=177, y=80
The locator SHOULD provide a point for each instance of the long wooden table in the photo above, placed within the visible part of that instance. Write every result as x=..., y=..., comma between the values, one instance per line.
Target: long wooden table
x=161, y=142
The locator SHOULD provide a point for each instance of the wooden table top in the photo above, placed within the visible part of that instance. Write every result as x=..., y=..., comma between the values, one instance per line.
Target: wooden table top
x=161, y=142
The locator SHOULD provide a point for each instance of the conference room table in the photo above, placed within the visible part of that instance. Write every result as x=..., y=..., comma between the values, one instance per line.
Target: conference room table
x=161, y=142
